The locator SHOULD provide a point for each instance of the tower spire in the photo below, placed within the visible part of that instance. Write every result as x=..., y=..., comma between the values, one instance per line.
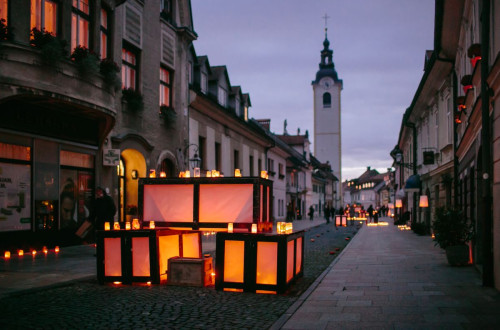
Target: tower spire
x=326, y=17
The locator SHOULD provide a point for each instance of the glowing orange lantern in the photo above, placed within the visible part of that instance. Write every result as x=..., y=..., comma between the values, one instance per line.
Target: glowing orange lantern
x=209, y=174
x=6, y=255
x=288, y=228
x=33, y=253
x=163, y=174
x=151, y=225
x=399, y=203
x=45, y=250
x=20, y=253
x=237, y=173
x=197, y=172
x=187, y=174
x=214, y=174
x=56, y=249
x=127, y=225
x=107, y=226
x=135, y=224
x=263, y=174
x=116, y=225
x=254, y=228
x=230, y=227
x=424, y=201
x=152, y=173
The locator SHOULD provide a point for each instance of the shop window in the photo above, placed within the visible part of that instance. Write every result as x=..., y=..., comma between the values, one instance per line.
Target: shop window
x=104, y=33
x=77, y=159
x=15, y=187
x=165, y=87
x=80, y=24
x=129, y=69
x=44, y=15
x=75, y=197
x=3, y=10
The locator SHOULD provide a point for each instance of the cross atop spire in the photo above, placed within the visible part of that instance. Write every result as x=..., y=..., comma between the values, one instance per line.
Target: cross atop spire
x=326, y=17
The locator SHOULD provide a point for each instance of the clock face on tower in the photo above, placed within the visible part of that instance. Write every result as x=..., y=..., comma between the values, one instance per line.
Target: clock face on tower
x=326, y=83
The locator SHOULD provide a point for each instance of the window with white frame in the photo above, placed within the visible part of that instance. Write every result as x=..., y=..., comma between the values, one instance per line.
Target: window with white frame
x=129, y=68
x=104, y=33
x=222, y=96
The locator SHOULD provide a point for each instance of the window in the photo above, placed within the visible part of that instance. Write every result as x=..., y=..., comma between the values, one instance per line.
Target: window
x=129, y=69
x=222, y=96
x=237, y=106
x=44, y=15
x=165, y=87
x=236, y=160
x=270, y=166
x=166, y=9
x=202, y=145
x=250, y=160
x=80, y=24
x=203, y=83
x=104, y=33
x=217, y=156
x=281, y=171
x=190, y=72
x=3, y=10
x=259, y=166
x=327, y=100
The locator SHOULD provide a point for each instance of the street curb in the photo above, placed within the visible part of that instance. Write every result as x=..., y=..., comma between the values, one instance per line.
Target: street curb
x=303, y=297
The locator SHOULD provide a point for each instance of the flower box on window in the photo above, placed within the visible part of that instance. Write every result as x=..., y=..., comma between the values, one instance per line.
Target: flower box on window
x=133, y=99
x=86, y=61
x=52, y=49
x=169, y=116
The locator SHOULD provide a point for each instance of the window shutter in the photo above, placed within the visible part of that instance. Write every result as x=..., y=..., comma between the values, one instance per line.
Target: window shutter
x=133, y=26
x=167, y=43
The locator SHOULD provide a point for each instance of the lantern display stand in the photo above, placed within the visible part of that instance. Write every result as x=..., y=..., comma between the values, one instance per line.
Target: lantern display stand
x=262, y=262
x=341, y=220
x=141, y=256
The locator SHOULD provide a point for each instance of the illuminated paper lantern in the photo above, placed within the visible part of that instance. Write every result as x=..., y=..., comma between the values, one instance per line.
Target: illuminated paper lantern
x=33, y=253
x=163, y=174
x=20, y=253
x=230, y=227
x=135, y=224
x=209, y=174
x=6, y=255
x=56, y=249
x=214, y=174
x=399, y=203
x=187, y=174
x=151, y=225
x=45, y=250
x=107, y=226
x=152, y=173
x=237, y=173
x=116, y=225
x=424, y=201
x=263, y=174
x=197, y=172
x=254, y=228
x=127, y=225
x=288, y=228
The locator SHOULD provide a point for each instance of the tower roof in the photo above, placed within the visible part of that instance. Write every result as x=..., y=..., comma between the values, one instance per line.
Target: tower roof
x=326, y=66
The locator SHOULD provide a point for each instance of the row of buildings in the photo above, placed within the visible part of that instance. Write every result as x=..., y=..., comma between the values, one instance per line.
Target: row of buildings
x=448, y=149
x=103, y=92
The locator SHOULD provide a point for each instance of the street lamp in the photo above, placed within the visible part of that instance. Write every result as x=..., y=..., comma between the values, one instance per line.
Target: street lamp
x=195, y=161
x=397, y=154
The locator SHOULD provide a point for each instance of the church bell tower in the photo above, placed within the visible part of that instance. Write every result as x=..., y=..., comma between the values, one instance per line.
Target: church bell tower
x=327, y=88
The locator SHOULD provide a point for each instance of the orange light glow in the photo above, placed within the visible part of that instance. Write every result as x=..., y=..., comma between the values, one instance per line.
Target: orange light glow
x=196, y=172
x=116, y=225
x=45, y=250
x=127, y=225
x=6, y=255
x=237, y=173
x=209, y=174
x=117, y=282
x=187, y=174
x=254, y=228
x=151, y=225
x=288, y=228
x=33, y=253
x=263, y=174
x=230, y=227
x=56, y=249
x=20, y=253
x=163, y=174
x=399, y=203
x=148, y=282
x=424, y=201
x=107, y=226
x=181, y=174
x=152, y=173
x=135, y=224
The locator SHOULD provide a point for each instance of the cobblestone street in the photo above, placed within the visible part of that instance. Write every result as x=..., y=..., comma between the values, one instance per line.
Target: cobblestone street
x=86, y=304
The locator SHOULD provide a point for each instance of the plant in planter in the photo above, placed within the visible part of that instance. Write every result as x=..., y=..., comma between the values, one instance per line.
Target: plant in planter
x=452, y=233
x=53, y=49
x=133, y=99
x=474, y=53
x=86, y=61
x=109, y=70
x=169, y=116
x=466, y=82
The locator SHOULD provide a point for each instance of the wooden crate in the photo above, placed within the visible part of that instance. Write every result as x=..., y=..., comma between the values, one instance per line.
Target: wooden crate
x=190, y=271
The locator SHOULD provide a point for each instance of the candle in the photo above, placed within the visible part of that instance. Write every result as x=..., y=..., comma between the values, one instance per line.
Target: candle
x=230, y=227
x=127, y=225
x=197, y=172
x=135, y=224
x=254, y=228
x=56, y=249
x=151, y=225
x=107, y=226
x=20, y=253
x=237, y=173
x=163, y=174
x=116, y=225
x=7, y=255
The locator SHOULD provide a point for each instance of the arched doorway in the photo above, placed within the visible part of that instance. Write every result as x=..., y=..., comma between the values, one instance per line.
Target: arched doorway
x=132, y=167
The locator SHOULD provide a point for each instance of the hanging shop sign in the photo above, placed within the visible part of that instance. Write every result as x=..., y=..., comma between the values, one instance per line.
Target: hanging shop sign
x=111, y=157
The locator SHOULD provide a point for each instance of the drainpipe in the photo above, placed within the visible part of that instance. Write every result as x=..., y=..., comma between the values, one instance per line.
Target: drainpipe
x=486, y=200
x=414, y=138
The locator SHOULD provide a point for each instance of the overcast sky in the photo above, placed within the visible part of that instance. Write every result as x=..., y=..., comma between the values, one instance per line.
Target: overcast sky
x=272, y=50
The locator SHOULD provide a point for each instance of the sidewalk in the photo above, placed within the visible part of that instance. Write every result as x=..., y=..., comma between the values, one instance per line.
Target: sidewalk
x=73, y=263
x=392, y=279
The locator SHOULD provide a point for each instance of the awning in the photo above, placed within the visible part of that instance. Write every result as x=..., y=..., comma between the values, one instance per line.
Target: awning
x=413, y=184
x=400, y=194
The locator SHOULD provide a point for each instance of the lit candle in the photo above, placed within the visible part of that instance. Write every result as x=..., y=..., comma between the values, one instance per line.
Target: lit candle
x=127, y=225
x=197, y=172
x=209, y=174
x=187, y=174
x=20, y=253
x=237, y=173
x=163, y=174
x=45, y=250
x=116, y=225
x=214, y=173
x=254, y=228
x=56, y=249
x=135, y=224
x=263, y=174
x=151, y=225
x=33, y=253
x=107, y=226
x=152, y=173
x=7, y=255
x=230, y=227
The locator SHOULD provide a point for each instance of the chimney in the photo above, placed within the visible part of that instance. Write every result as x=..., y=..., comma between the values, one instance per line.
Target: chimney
x=368, y=168
x=266, y=123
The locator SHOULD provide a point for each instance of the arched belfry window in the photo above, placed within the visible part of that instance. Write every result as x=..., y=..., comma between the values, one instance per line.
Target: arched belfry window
x=327, y=100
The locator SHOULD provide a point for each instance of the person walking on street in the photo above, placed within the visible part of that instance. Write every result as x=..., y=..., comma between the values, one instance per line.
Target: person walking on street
x=311, y=213
x=104, y=209
x=370, y=213
x=327, y=214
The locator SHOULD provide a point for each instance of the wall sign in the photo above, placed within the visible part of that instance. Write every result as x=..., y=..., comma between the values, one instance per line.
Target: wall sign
x=111, y=157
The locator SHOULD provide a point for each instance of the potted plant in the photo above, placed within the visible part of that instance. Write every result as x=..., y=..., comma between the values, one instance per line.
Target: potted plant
x=466, y=82
x=169, y=116
x=109, y=70
x=52, y=49
x=86, y=61
x=452, y=233
x=133, y=99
